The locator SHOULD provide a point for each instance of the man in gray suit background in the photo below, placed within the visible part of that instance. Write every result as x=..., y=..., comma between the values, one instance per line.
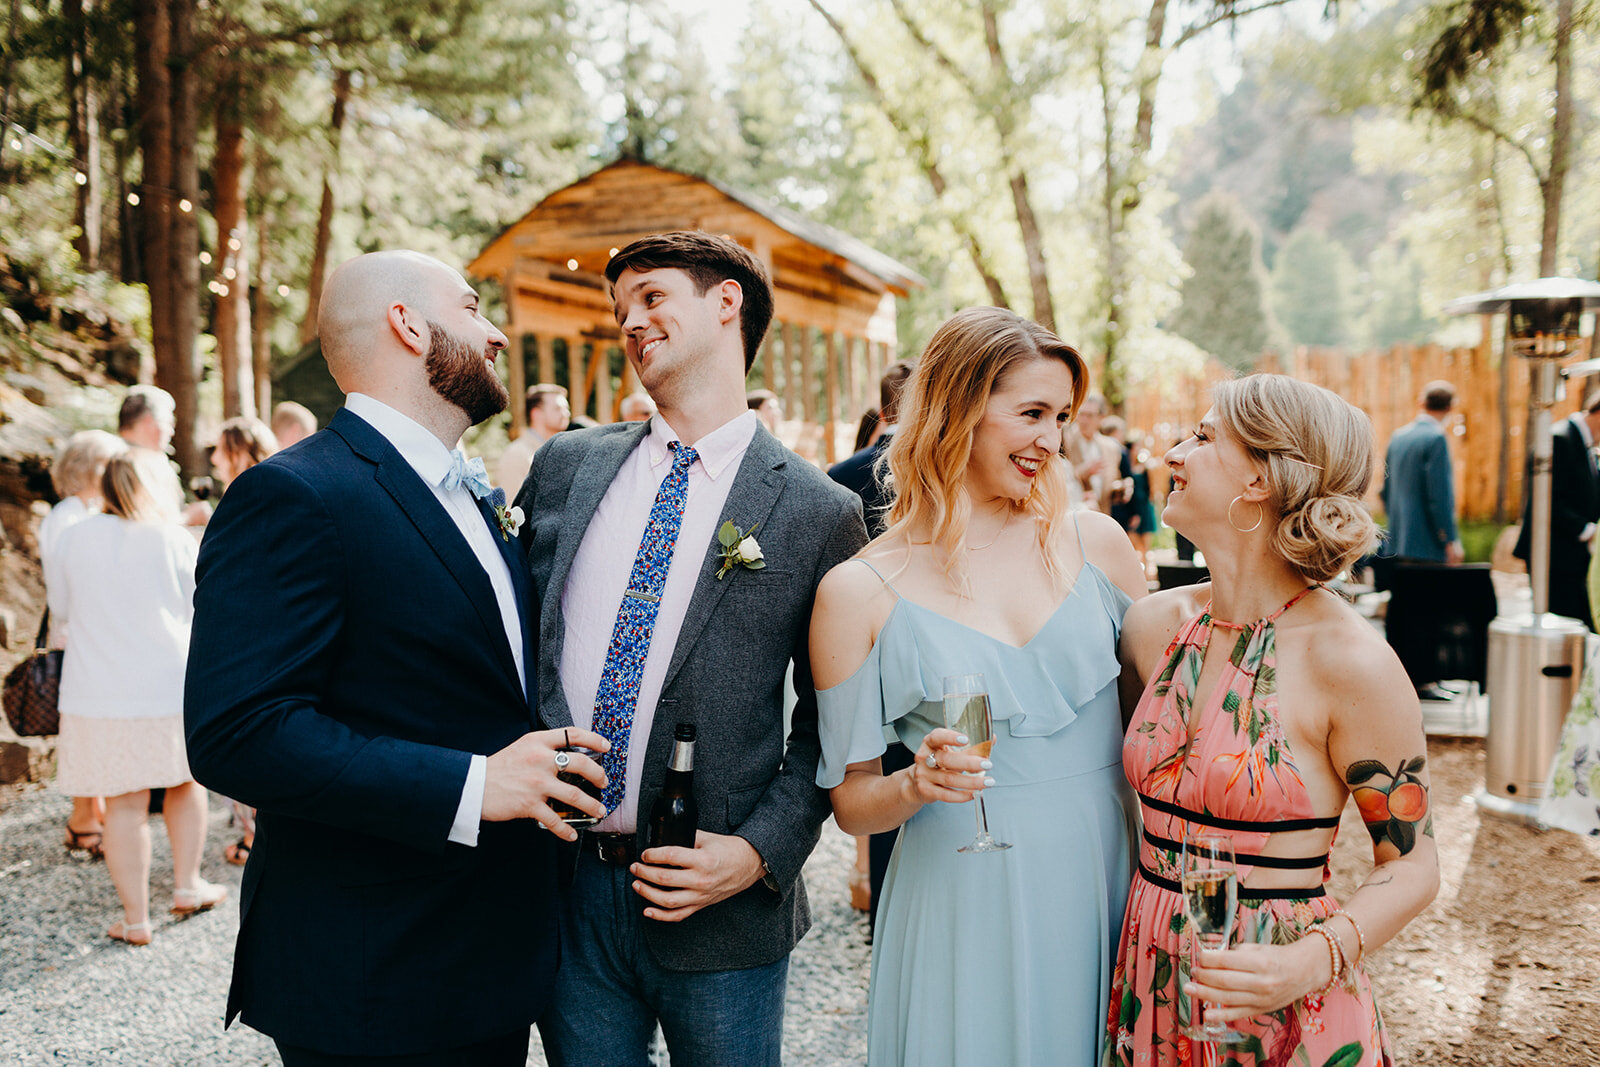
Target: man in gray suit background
x=647, y=620
x=1418, y=488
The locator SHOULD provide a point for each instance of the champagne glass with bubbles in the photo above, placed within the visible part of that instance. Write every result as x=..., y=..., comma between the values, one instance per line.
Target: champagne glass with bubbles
x=1210, y=883
x=966, y=711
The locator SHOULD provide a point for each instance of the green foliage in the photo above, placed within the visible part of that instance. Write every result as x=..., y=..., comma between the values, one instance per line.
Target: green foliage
x=1311, y=289
x=1223, y=308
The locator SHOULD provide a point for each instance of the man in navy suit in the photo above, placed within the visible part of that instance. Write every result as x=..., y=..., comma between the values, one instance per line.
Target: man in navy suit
x=1574, y=511
x=362, y=671
x=1418, y=487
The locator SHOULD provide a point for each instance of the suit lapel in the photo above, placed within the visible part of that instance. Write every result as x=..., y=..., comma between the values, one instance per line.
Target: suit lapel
x=431, y=521
x=756, y=487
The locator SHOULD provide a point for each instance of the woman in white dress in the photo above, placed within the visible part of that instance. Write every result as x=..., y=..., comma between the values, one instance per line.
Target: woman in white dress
x=76, y=475
x=125, y=583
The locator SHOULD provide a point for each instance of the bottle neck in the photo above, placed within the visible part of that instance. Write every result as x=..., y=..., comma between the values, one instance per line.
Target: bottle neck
x=682, y=757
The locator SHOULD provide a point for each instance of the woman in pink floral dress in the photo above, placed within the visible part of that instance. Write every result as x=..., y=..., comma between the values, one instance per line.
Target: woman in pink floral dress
x=1260, y=702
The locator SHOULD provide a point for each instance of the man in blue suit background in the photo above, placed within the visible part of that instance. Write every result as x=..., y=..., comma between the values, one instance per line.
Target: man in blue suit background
x=1418, y=488
x=362, y=672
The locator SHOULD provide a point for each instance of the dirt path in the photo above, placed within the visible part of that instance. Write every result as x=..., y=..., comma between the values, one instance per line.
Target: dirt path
x=1504, y=967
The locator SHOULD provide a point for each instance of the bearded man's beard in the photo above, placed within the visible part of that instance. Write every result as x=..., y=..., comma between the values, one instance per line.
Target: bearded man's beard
x=464, y=377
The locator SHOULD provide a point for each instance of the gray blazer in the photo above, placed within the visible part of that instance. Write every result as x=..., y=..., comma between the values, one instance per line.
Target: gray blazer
x=1419, y=492
x=726, y=674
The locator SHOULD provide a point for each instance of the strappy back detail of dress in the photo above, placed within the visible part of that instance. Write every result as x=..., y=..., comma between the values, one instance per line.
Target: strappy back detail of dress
x=1194, y=784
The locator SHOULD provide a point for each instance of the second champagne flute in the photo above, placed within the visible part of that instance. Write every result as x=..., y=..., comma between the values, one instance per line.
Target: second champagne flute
x=1211, y=903
x=966, y=711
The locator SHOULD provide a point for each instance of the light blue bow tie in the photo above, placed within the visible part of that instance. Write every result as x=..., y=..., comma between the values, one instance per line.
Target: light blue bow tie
x=468, y=473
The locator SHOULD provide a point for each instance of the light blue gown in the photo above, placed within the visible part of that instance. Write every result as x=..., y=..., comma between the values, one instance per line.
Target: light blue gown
x=1000, y=959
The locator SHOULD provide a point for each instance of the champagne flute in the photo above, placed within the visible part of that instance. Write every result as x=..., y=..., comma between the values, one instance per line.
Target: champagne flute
x=966, y=711
x=1210, y=883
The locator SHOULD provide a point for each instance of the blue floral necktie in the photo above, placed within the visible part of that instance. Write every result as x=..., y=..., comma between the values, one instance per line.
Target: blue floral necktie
x=618, y=695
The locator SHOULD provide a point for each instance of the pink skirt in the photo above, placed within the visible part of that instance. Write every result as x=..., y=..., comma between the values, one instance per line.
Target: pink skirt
x=108, y=757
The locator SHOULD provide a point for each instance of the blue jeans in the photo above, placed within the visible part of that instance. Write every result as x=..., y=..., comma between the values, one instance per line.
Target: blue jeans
x=610, y=991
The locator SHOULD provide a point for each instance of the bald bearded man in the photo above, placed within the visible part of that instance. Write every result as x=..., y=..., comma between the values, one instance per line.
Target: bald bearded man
x=362, y=672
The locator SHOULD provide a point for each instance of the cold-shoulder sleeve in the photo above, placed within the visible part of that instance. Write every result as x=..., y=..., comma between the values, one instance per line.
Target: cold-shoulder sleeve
x=856, y=714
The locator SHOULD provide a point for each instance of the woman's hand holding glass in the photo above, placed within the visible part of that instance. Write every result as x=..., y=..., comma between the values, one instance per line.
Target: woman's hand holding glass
x=1255, y=977
x=945, y=771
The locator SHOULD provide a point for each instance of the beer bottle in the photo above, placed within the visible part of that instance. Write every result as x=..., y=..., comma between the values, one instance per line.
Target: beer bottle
x=674, y=816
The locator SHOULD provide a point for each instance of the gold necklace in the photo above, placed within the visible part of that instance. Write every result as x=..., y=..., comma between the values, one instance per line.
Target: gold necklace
x=979, y=548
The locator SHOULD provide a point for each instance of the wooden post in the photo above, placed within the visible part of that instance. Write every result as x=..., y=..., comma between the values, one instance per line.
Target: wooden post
x=791, y=395
x=808, y=391
x=831, y=391
x=547, y=358
x=577, y=377
x=769, y=376
x=516, y=368
x=849, y=380
x=604, y=409
x=630, y=382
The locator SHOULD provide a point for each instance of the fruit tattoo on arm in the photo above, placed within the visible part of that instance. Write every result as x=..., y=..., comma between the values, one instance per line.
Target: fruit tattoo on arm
x=1393, y=803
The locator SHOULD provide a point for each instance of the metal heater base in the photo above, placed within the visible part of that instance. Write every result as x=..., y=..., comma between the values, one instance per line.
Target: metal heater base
x=1519, y=810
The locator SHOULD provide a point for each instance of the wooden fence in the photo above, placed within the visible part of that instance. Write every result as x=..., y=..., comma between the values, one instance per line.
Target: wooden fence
x=1386, y=386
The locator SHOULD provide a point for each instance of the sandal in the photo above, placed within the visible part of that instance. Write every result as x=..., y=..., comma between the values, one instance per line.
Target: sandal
x=237, y=853
x=89, y=841
x=203, y=897
x=135, y=934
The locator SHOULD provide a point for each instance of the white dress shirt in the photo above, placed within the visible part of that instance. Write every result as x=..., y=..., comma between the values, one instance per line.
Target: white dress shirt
x=592, y=596
x=431, y=460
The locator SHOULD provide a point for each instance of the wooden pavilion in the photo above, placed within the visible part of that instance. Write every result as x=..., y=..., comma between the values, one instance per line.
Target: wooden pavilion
x=833, y=331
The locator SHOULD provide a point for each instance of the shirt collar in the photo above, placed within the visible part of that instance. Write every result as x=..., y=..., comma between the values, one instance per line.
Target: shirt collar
x=416, y=445
x=718, y=450
x=1583, y=429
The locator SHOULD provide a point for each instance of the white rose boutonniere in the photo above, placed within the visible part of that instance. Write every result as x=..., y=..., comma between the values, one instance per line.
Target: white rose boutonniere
x=739, y=548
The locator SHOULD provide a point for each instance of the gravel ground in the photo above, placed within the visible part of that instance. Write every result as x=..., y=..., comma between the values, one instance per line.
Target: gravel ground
x=68, y=995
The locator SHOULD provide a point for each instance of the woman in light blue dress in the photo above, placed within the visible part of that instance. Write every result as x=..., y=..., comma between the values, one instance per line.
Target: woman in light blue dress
x=1005, y=957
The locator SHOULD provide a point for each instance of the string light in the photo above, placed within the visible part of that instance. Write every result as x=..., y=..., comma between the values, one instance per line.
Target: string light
x=205, y=257
x=233, y=244
x=572, y=264
x=614, y=252
x=133, y=199
x=80, y=177
x=283, y=290
x=185, y=205
x=230, y=274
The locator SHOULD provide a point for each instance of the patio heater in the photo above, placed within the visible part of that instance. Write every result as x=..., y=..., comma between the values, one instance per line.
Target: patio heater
x=1535, y=660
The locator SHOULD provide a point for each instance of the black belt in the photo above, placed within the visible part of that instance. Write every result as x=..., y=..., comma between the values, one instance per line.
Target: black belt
x=616, y=850
x=1250, y=859
x=1245, y=893
x=1265, y=826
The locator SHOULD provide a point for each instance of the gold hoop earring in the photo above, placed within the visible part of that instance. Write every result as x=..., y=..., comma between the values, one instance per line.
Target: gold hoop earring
x=1260, y=515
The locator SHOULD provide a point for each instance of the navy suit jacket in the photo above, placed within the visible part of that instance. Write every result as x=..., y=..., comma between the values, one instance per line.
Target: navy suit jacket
x=1419, y=492
x=1574, y=503
x=348, y=658
x=859, y=474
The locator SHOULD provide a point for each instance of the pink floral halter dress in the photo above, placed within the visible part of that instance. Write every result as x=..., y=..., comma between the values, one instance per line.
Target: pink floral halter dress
x=1236, y=775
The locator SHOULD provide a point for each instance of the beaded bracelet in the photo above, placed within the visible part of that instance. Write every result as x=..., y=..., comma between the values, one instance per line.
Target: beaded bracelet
x=1361, y=937
x=1335, y=956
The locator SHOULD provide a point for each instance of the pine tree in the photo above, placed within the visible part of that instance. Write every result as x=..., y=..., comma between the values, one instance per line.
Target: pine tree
x=1311, y=281
x=1224, y=308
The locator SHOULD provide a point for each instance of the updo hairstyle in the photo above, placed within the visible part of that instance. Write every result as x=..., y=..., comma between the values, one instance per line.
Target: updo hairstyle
x=1316, y=449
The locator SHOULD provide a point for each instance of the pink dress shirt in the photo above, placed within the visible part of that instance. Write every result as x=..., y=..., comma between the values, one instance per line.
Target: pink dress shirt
x=593, y=593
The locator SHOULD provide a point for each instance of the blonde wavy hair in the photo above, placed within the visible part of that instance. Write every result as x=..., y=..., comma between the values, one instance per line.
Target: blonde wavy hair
x=944, y=402
x=1317, y=451
x=139, y=485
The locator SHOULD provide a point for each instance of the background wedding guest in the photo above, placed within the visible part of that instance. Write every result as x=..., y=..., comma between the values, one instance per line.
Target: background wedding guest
x=76, y=475
x=1095, y=457
x=767, y=406
x=146, y=418
x=548, y=414
x=1418, y=490
x=1260, y=703
x=637, y=407
x=124, y=581
x=1574, y=511
x=1141, y=522
x=292, y=422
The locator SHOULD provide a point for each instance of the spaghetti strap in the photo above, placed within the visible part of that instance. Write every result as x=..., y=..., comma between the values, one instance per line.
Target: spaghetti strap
x=1078, y=529
x=881, y=578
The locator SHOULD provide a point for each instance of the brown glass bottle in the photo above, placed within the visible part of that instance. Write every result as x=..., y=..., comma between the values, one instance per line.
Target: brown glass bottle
x=674, y=817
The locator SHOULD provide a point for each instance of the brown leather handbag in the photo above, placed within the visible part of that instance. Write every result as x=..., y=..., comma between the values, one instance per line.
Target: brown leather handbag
x=33, y=687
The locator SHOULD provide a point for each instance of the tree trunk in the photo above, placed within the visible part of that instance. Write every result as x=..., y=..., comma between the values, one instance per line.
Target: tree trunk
x=183, y=252
x=1560, y=142
x=261, y=323
x=920, y=145
x=232, y=323
x=83, y=133
x=1044, y=308
x=319, y=255
x=5, y=73
x=152, y=39
x=1114, y=216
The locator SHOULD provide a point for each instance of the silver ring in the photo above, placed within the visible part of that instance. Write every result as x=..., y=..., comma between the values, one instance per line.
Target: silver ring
x=933, y=763
x=562, y=759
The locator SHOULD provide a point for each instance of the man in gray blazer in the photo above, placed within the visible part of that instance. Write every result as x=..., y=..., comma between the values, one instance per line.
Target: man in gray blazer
x=647, y=620
x=1418, y=488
